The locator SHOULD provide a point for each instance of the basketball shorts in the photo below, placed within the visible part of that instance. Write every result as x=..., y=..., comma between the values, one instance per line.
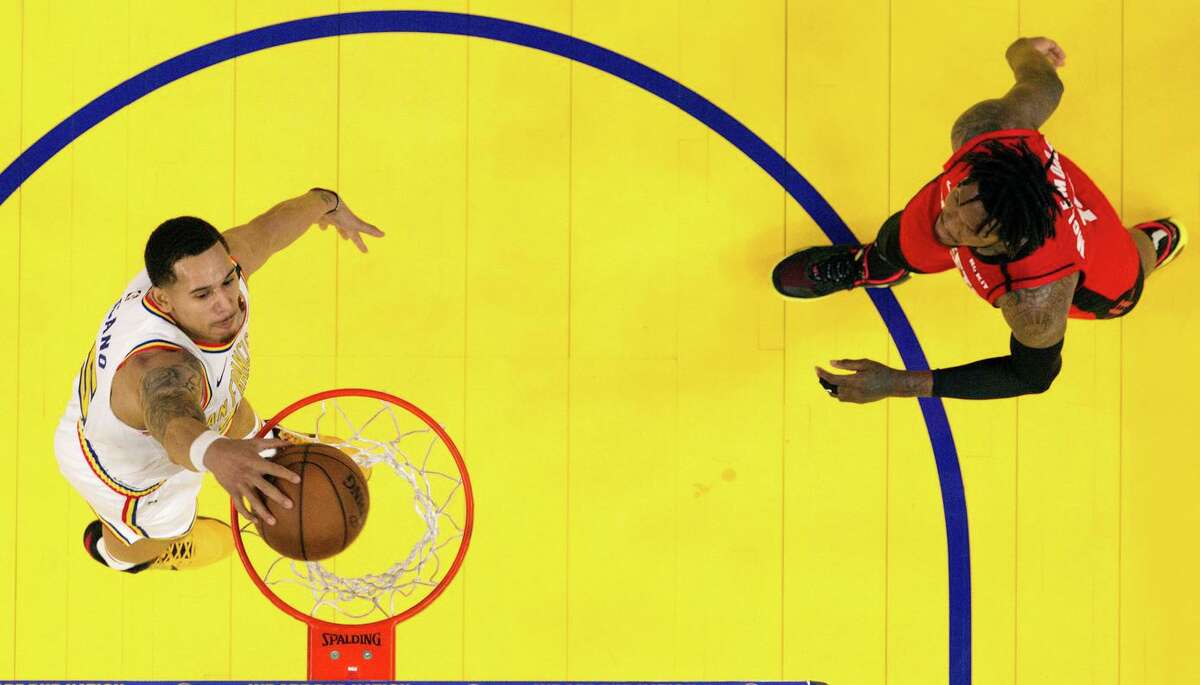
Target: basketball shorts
x=163, y=511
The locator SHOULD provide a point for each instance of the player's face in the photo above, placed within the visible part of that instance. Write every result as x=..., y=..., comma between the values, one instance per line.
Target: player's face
x=961, y=220
x=205, y=299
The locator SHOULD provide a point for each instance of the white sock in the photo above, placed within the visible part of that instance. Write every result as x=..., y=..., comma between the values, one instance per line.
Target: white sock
x=110, y=559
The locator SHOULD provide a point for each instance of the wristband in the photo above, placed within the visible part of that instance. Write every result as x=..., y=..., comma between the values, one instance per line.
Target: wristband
x=199, y=446
x=337, y=199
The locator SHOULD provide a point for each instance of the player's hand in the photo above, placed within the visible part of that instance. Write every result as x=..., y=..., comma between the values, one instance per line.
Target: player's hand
x=349, y=226
x=1040, y=44
x=870, y=381
x=241, y=470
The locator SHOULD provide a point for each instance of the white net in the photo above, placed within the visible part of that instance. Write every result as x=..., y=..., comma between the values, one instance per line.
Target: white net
x=380, y=437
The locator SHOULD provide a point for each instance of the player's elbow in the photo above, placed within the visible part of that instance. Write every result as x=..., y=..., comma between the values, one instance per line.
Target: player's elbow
x=1036, y=361
x=1039, y=381
x=1032, y=101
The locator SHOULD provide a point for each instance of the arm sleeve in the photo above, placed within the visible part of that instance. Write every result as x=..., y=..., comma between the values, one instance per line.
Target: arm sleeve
x=1026, y=371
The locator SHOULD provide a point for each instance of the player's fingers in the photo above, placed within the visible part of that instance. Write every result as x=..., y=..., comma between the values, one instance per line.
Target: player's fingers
x=835, y=377
x=249, y=515
x=358, y=241
x=268, y=447
x=242, y=511
x=372, y=230
x=833, y=384
x=1054, y=51
x=850, y=394
x=851, y=364
x=270, y=468
x=258, y=507
x=261, y=444
x=272, y=492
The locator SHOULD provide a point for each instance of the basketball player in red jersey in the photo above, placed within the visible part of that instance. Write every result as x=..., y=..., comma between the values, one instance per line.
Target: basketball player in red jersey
x=1028, y=230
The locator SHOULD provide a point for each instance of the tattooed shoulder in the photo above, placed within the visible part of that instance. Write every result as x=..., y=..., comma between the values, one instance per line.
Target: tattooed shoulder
x=171, y=391
x=1038, y=316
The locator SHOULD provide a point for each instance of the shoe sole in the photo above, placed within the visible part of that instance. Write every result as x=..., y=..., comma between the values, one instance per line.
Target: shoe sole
x=1183, y=241
x=789, y=298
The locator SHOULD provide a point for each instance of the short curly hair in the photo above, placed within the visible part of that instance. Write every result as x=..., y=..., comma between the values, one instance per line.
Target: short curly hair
x=174, y=239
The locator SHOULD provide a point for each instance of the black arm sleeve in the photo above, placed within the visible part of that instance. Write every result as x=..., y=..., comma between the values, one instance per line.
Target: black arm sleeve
x=1028, y=370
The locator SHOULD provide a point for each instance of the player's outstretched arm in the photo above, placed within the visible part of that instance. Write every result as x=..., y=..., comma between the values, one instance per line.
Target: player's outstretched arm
x=252, y=244
x=162, y=392
x=1038, y=319
x=1031, y=100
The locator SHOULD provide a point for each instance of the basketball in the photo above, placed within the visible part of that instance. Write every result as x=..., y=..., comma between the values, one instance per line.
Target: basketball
x=329, y=504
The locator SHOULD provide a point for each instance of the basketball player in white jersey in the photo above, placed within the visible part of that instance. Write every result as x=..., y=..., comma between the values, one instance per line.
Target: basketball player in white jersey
x=160, y=398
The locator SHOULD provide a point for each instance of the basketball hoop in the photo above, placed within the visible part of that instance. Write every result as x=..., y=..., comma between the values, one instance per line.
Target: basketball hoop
x=388, y=434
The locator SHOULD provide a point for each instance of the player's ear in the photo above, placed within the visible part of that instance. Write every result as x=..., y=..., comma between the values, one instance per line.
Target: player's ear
x=161, y=298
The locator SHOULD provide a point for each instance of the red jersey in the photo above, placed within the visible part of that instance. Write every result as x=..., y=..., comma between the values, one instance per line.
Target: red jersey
x=1088, y=237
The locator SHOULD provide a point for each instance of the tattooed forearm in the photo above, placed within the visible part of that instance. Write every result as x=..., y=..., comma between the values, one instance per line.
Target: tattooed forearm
x=172, y=392
x=1035, y=97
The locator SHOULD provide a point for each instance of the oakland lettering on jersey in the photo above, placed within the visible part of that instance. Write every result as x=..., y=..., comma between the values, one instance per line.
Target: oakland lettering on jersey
x=330, y=639
x=240, y=376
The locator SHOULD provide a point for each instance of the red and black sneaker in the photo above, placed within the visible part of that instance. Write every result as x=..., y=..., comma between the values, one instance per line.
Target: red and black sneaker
x=91, y=537
x=1169, y=238
x=819, y=271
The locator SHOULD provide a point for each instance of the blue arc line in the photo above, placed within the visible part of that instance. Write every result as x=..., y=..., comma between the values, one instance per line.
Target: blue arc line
x=940, y=436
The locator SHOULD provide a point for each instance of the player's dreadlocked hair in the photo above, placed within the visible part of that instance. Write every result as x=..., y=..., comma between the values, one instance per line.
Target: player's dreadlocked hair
x=1015, y=194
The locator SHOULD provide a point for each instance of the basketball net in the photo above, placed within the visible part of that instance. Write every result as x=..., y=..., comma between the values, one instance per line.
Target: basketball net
x=407, y=454
x=379, y=432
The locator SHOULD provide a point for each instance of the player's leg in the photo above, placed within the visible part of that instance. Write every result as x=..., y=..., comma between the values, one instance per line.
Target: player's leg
x=822, y=270
x=154, y=527
x=158, y=530
x=1158, y=242
x=116, y=553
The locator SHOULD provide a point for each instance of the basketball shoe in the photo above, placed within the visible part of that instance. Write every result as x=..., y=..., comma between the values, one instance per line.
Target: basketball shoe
x=820, y=271
x=208, y=542
x=1168, y=236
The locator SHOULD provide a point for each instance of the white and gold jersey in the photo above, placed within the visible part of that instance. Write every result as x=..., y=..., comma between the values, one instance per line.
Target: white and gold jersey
x=129, y=461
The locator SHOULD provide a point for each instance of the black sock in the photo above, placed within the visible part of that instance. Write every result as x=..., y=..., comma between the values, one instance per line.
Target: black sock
x=877, y=266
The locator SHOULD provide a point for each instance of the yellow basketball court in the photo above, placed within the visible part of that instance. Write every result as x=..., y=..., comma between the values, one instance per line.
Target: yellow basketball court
x=575, y=283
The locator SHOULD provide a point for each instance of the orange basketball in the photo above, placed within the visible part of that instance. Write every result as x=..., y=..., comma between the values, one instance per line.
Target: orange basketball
x=329, y=504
